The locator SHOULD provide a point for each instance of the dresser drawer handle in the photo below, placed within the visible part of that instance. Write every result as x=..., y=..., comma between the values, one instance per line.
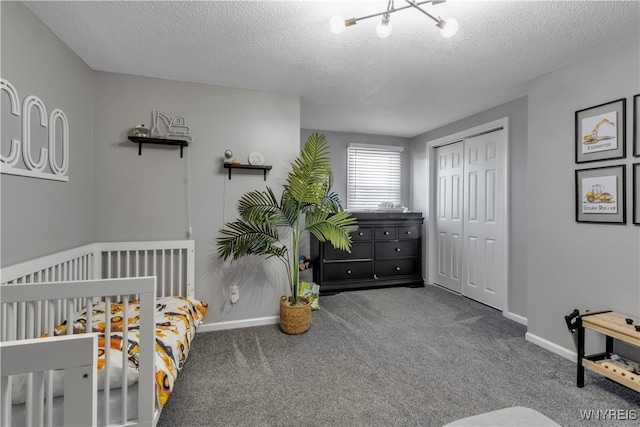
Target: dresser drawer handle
x=386, y=233
x=408, y=232
x=348, y=271
x=361, y=234
x=397, y=268
x=397, y=249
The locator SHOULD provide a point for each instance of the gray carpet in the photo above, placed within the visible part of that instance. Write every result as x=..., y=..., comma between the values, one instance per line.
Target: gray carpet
x=384, y=357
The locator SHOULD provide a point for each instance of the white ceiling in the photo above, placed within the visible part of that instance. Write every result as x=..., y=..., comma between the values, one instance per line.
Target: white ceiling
x=412, y=82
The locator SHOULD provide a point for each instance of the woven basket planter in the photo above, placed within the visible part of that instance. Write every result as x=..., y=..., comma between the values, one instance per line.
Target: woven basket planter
x=296, y=319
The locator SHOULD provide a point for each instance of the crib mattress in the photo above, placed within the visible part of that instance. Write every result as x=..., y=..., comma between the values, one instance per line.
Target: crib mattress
x=176, y=320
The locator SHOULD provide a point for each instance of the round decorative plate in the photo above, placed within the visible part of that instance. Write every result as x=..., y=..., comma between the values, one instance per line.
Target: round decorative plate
x=256, y=158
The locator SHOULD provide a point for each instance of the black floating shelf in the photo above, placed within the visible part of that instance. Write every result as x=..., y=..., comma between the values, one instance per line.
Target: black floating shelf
x=263, y=168
x=162, y=141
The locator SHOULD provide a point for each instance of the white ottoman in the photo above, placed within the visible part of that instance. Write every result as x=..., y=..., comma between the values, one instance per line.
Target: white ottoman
x=508, y=417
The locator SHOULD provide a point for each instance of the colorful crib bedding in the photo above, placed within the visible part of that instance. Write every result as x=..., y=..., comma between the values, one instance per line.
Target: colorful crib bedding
x=176, y=321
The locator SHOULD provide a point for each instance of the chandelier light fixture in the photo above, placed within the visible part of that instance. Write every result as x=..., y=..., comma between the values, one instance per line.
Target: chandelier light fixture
x=447, y=28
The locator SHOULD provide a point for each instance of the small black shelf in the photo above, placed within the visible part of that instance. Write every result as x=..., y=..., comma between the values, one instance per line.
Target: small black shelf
x=263, y=168
x=162, y=141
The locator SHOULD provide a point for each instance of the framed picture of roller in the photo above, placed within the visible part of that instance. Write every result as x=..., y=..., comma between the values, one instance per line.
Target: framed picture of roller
x=600, y=195
x=636, y=196
x=636, y=126
x=600, y=132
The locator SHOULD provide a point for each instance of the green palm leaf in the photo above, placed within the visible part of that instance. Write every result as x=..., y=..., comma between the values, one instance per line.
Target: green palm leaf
x=309, y=177
x=240, y=239
x=335, y=228
x=257, y=207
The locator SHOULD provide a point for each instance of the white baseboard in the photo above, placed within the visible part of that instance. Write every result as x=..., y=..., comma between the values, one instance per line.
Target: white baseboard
x=234, y=324
x=515, y=317
x=552, y=347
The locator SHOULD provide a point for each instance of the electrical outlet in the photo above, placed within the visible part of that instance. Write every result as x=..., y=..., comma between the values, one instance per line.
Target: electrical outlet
x=235, y=294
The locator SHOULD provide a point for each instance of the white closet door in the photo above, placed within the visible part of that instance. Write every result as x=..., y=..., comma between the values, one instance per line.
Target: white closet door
x=484, y=216
x=449, y=215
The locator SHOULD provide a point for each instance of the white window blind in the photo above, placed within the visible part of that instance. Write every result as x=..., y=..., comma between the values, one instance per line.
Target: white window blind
x=373, y=176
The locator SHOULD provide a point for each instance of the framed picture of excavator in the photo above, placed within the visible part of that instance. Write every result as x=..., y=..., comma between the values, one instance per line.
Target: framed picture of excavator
x=600, y=195
x=600, y=132
x=636, y=126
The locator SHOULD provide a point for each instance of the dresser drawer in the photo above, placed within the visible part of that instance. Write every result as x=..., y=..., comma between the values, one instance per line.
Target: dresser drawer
x=409, y=232
x=385, y=233
x=397, y=249
x=348, y=270
x=359, y=250
x=364, y=233
x=397, y=267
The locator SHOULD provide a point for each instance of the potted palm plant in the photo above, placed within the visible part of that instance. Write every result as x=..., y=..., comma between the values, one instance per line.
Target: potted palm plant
x=271, y=226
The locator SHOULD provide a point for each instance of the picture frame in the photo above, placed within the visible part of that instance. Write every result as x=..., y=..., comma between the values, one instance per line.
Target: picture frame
x=636, y=126
x=600, y=195
x=636, y=196
x=600, y=132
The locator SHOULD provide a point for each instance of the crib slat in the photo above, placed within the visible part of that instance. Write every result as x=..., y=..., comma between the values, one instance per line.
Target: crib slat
x=171, y=281
x=163, y=273
x=108, y=265
x=49, y=403
x=155, y=271
x=30, y=317
x=89, y=327
x=180, y=284
x=21, y=321
x=5, y=403
x=107, y=357
x=3, y=327
x=70, y=317
x=125, y=354
x=34, y=399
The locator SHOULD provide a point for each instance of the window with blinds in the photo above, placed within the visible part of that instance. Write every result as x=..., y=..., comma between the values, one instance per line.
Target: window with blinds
x=373, y=176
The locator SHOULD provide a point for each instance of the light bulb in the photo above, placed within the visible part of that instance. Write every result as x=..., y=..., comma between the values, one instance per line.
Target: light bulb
x=383, y=29
x=337, y=24
x=449, y=28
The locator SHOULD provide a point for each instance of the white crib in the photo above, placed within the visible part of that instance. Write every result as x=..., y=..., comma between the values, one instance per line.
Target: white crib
x=40, y=294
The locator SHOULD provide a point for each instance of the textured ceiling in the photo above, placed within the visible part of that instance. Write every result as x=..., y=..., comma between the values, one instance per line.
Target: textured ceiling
x=411, y=82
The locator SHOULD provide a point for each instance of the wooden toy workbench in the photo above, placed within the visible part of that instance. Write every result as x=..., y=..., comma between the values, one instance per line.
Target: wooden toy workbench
x=613, y=326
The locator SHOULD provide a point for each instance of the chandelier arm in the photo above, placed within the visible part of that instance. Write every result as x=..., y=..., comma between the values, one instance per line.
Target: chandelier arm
x=417, y=6
x=398, y=9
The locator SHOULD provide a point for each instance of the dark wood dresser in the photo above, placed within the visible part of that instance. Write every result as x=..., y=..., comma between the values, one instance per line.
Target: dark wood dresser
x=386, y=251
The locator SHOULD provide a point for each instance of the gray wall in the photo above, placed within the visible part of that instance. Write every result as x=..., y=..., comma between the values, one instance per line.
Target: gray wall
x=516, y=111
x=577, y=265
x=338, y=143
x=42, y=216
x=145, y=197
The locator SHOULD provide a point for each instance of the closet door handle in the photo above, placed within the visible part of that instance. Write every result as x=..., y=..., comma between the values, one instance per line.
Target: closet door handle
x=397, y=249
